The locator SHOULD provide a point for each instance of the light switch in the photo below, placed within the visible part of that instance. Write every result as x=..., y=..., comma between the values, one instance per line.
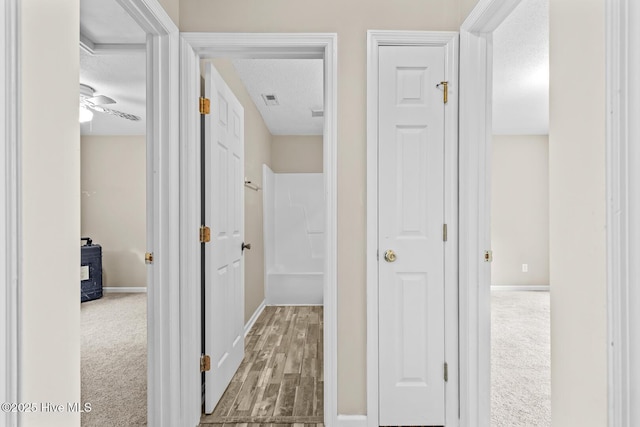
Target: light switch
x=525, y=268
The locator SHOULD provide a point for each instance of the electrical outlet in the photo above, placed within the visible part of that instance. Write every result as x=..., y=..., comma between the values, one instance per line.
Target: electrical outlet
x=525, y=268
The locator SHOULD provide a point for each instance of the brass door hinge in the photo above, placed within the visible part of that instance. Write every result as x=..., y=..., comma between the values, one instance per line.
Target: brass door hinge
x=488, y=256
x=148, y=258
x=205, y=105
x=446, y=372
x=445, y=92
x=205, y=363
x=205, y=234
x=444, y=233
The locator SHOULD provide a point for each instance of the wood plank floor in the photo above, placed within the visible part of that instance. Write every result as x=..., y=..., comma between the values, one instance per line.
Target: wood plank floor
x=266, y=425
x=280, y=380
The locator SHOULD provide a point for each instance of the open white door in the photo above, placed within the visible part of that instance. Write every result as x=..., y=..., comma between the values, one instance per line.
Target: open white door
x=410, y=233
x=224, y=214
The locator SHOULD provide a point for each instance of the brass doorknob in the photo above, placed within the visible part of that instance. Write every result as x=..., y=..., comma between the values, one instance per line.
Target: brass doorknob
x=389, y=256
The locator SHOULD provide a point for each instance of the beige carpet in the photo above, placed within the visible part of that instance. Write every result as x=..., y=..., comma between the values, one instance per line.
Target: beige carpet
x=520, y=359
x=114, y=360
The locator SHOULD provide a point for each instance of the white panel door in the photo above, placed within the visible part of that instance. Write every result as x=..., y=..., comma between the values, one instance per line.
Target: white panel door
x=224, y=214
x=411, y=215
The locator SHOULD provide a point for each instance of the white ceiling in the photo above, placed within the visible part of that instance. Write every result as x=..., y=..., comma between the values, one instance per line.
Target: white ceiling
x=298, y=86
x=116, y=75
x=106, y=22
x=521, y=71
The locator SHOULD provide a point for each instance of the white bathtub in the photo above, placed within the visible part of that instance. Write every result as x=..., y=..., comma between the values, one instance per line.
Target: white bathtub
x=294, y=288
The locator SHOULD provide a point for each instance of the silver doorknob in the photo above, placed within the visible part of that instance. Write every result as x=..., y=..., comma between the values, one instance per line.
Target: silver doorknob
x=390, y=256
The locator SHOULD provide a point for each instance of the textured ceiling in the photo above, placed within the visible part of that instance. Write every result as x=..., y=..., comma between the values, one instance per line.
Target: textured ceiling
x=121, y=77
x=521, y=71
x=298, y=86
x=118, y=76
x=105, y=21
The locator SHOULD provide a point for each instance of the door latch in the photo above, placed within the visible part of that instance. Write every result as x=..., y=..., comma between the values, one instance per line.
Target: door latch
x=445, y=92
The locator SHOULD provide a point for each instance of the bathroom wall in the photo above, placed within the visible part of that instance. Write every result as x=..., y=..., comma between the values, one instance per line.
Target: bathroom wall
x=296, y=153
x=294, y=237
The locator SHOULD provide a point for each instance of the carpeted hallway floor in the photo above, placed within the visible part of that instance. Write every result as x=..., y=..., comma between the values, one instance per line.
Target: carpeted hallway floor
x=520, y=359
x=113, y=356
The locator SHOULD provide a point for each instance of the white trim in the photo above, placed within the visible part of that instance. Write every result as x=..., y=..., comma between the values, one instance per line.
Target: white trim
x=352, y=421
x=623, y=208
x=475, y=200
x=254, y=317
x=195, y=46
x=123, y=290
x=163, y=301
x=449, y=40
x=517, y=288
x=9, y=208
x=92, y=48
x=190, y=261
x=295, y=305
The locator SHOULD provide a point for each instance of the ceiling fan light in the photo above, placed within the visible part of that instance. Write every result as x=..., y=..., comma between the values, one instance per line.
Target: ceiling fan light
x=85, y=115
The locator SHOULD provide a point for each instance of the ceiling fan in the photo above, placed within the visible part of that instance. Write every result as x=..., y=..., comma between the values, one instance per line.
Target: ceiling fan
x=90, y=102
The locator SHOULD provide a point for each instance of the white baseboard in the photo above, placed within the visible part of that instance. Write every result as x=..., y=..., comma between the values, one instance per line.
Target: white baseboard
x=543, y=288
x=254, y=317
x=118, y=289
x=295, y=305
x=352, y=421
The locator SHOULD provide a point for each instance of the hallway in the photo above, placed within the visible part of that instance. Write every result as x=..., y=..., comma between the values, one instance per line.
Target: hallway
x=280, y=380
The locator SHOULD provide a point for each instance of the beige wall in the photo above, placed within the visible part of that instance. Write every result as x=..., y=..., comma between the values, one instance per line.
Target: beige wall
x=577, y=213
x=113, y=200
x=466, y=6
x=520, y=209
x=350, y=20
x=172, y=7
x=296, y=154
x=50, y=211
x=257, y=151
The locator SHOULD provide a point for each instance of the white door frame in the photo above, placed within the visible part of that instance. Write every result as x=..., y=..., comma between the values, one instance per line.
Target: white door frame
x=623, y=210
x=163, y=341
x=162, y=198
x=623, y=206
x=449, y=40
x=476, y=62
x=193, y=48
x=9, y=208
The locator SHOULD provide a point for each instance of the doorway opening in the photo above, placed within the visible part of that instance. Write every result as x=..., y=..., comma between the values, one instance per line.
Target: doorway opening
x=280, y=378
x=155, y=37
x=235, y=47
x=113, y=123
x=520, y=303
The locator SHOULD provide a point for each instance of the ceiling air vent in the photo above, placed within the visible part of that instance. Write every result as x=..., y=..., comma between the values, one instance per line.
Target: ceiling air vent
x=270, y=99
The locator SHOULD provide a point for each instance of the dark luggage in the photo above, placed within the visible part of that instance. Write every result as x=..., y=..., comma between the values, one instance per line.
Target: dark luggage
x=90, y=271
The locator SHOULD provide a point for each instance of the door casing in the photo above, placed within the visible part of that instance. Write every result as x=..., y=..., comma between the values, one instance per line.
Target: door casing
x=9, y=208
x=193, y=48
x=476, y=79
x=163, y=180
x=449, y=40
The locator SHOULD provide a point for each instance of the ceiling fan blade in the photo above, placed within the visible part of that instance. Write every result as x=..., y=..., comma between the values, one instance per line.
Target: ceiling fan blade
x=101, y=100
x=116, y=113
